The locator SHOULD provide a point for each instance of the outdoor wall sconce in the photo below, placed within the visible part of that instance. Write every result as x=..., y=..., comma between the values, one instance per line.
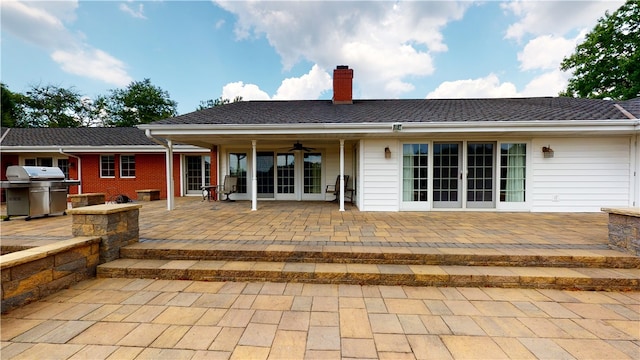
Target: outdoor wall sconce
x=547, y=151
x=396, y=127
x=387, y=153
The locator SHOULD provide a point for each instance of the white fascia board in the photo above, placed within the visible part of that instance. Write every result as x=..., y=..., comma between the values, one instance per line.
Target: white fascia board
x=407, y=127
x=102, y=149
x=526, y=126
x=268, y=129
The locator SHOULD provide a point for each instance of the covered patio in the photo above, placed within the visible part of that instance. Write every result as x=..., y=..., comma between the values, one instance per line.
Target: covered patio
x=194, y=221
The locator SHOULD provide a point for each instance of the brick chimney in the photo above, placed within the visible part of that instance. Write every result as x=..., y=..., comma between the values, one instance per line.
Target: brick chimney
x=342, y=85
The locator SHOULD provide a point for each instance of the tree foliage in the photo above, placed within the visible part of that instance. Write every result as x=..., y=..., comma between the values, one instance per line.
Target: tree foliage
x=11, y=107
x=140, y=103
x=216, y=102
x=607, y=63
x=51, y=106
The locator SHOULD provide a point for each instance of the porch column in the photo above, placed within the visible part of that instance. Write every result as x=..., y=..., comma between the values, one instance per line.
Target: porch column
x=254, y=176
x=342, y=184
x=169, y=158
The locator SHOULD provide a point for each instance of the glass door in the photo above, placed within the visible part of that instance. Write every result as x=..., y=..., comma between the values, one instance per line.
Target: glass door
x=265, y=174
x=286, y=176
x=196, y=173
x=312, y=177
x=480, y=175
x=446, y=175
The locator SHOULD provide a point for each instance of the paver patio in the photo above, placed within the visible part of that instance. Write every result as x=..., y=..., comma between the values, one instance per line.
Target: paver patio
x=152, y=319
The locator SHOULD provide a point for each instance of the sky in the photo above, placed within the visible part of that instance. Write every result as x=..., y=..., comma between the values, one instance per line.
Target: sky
x=287, y=50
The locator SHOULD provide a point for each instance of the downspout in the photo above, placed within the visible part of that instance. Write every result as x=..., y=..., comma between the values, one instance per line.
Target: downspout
x=169, y=165
x=79, y=167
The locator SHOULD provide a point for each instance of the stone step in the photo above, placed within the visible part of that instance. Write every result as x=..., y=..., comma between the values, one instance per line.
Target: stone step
x=376, y=274
x=402, y=255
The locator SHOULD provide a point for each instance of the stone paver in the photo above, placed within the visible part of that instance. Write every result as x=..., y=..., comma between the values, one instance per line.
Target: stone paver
x=172, y=319
x=350, y=322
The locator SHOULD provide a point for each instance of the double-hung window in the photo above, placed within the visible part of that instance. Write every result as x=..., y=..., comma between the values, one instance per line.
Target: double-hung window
x=127, y=166
x=107, y=166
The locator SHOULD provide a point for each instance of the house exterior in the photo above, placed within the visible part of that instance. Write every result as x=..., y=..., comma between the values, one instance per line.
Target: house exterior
x=107, y=160
x=515, y=154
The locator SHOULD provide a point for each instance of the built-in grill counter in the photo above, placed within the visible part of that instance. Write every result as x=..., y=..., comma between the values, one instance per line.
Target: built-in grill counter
x=36, y=191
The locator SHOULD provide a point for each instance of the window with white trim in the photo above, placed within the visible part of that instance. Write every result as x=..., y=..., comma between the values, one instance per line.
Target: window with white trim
x=127, y=166
x=513, y=174
x=107, y=166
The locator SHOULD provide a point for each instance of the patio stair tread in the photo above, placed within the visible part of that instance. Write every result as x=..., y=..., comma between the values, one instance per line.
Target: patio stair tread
x=376, y=274
x=406, y=255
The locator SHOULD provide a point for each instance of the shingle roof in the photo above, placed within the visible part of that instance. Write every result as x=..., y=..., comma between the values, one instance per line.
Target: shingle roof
x=632, y=106
x=388, y=111
x=76, y=137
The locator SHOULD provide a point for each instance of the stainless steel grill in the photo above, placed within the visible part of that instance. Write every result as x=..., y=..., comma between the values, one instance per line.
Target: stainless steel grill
x=35, y=191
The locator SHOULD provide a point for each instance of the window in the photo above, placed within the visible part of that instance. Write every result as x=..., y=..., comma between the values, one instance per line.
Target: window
x=63, y=164
x=512, y=172
x=415, y=166
x=286, y=173
x=127, y=166
x=312, y=173
x=107, y=166
x=238, y=167
x=48, y=162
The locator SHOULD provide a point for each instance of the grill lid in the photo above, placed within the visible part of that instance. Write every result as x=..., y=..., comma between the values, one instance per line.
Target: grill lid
x=33, y=173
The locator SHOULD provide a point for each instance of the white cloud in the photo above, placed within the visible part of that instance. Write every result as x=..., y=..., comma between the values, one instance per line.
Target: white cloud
x=487, y=87
x=555, y=17
x=95, y=64
x=555, y=28
x=138, y=14
x=547, y=84
x=246, y=91
x=307, y=87
x=545, y=52
x=42, y=23
x=389, y=43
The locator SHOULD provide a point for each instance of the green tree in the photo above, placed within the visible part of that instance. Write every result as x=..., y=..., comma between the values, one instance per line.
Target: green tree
x=607, y=63
x=140, y=103
x=217, y=102
x=51, y=106
x=11, y=107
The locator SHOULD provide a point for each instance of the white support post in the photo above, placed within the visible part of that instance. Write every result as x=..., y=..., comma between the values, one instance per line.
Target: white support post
x=342, y=184
x=169, y=158
x=254, y=176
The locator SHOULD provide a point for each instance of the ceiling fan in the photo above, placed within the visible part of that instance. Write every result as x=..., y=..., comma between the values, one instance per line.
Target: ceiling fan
x=297, y=146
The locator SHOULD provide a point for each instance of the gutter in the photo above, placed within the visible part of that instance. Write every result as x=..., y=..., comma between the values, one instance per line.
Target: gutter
x=79, y=167
x=169, y=165
x=382, y=127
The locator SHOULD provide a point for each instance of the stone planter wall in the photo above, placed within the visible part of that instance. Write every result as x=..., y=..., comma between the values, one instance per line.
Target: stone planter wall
x=35, y=273
x=148, y=194
x=81, y=200
x=624, y=229
x=115, y=224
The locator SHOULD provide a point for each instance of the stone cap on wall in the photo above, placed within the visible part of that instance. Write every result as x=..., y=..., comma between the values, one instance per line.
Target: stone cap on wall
x=39, y=252
x=103, y=209
x=630, y=211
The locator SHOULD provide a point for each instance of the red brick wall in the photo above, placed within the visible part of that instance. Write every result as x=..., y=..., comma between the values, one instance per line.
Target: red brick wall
x=150, y=174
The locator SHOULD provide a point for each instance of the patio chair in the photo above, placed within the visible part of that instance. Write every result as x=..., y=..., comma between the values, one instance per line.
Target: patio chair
x=335, y=189
x=229, y=186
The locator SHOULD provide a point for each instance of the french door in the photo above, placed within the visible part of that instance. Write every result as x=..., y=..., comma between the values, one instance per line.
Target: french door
x=467, y=170
x=447, y=175
x=289, y=176
x=197, y=170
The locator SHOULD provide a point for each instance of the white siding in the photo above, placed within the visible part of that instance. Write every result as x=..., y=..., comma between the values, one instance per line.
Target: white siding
x=380, y=176
x=585, y=174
